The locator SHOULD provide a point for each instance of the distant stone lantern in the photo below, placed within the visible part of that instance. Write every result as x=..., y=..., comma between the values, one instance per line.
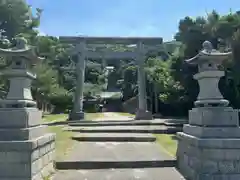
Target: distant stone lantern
x=20, y=60
x=208, y=61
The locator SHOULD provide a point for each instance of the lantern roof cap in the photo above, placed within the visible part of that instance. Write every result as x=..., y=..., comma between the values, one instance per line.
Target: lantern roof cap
x=208, y=53
x=21, y=49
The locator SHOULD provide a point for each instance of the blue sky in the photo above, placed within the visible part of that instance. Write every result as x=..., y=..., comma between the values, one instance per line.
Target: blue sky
x=123, y=17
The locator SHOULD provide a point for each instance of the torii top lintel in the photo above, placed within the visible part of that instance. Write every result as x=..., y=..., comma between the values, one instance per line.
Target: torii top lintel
x=111, y=40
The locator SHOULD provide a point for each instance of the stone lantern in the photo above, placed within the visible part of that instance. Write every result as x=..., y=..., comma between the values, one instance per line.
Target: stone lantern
x=209, y=146
x=26, y=148
x=208, y=60
x=20, y=60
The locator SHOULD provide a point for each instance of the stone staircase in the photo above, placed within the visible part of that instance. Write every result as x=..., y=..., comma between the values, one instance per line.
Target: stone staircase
x=118, y=150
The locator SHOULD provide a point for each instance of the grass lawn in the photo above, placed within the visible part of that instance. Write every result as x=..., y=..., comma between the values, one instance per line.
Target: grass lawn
x=125, y=114
x=54, y=117
x=63, y=138
x=168, y=143
x=64, y=143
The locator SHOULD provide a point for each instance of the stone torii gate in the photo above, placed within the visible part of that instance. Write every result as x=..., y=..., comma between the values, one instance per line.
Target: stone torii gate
x=143, y=45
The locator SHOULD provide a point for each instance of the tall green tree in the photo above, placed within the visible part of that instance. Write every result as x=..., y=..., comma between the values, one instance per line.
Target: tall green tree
x=16, y=18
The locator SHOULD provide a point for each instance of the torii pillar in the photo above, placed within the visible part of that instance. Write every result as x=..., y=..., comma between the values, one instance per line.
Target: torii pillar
x=142, y=112
x=77, y=111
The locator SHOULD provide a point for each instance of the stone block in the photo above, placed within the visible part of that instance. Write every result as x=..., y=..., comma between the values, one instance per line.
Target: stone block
x=208, y=158
x=75, y=116
x=231, y=154
x=227, y=167
x=15, y=157
x=212, y=132
x=214, y=116
x=217, y=177
x=218, y=143
x=27, y=145
x=20, y=170
x=143, y=115
x=214, y=154
x=26, y=155
x=232, y=177
x=27, y=163
x=13, y=134
x=194, y=163
x=203, y=177
x=24, y=170
x=218, y=154
x=208, y=167
x=19, y=117
x=186, y=170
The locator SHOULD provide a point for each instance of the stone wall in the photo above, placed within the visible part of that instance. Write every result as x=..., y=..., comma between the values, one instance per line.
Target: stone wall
x=26, y=148
x=31, y=160
x=209, y=146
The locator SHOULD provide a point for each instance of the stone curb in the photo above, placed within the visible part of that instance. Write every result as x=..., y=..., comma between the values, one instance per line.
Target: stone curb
x=128, y=124
x=66, y=165
x=154, y=131
x=115, y=139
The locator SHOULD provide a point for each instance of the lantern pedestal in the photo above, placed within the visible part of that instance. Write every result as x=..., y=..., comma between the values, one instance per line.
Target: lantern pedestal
x=26, y=148
x=209, y=146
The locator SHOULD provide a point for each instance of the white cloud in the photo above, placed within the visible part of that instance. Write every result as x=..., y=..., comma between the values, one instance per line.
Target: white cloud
x=41, y=33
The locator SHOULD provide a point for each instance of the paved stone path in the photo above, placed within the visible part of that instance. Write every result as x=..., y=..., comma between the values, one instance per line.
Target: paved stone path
x=114, y=117
x=117, y=151
x=115, y=159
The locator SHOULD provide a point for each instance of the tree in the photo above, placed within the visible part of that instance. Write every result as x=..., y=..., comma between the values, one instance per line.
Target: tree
x=16, y=18
x=129, y=87
x=222, y=31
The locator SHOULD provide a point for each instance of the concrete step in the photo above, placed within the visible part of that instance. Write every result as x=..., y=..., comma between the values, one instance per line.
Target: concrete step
x=164, y=173
x=114, y=137
x=107, y=155
x=167, y=122
x=128, y=123
x=76, y=122
x=66, y=165
x=125, y=129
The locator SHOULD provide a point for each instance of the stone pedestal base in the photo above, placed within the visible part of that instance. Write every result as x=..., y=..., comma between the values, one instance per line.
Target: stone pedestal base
x=75, y=116
x=209, y=146
x=26, y=149
x=143, y=115
x=208, y=159
x=27, y=160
